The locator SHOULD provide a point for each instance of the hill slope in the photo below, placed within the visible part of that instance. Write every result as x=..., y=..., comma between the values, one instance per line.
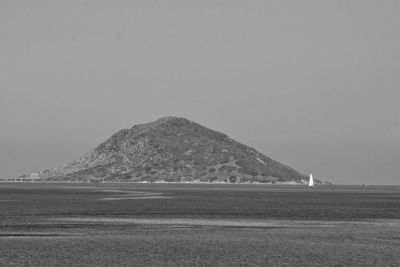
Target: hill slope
x=173, y=150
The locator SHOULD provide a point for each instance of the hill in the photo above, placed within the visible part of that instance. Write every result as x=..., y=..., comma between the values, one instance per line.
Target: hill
x=172, y=150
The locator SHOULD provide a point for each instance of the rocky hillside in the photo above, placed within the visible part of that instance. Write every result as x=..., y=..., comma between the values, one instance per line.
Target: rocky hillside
x=172, y=150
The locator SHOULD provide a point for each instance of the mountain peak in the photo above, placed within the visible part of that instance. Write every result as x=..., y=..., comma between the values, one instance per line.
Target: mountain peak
x=173, y=149
x=172, y=119
x=168, y=120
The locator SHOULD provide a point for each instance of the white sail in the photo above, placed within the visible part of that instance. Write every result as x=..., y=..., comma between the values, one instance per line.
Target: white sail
x=311, y=182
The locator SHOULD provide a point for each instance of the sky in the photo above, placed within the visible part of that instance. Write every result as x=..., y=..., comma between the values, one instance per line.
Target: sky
x=312, y=84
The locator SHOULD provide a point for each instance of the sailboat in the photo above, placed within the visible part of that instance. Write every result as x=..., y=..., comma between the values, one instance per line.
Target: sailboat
x=311, y=182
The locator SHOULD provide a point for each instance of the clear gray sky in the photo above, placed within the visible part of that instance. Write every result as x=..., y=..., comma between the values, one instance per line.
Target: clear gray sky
x=313, y=84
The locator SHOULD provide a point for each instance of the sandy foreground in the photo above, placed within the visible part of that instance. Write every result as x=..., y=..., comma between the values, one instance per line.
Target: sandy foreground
x=182, y=225
x=196, y=242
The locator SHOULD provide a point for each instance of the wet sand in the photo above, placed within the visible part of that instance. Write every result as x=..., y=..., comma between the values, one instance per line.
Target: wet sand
x=174, y=225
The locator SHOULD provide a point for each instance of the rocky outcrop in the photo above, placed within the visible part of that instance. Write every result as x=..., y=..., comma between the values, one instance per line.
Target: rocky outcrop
x=172, y=150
